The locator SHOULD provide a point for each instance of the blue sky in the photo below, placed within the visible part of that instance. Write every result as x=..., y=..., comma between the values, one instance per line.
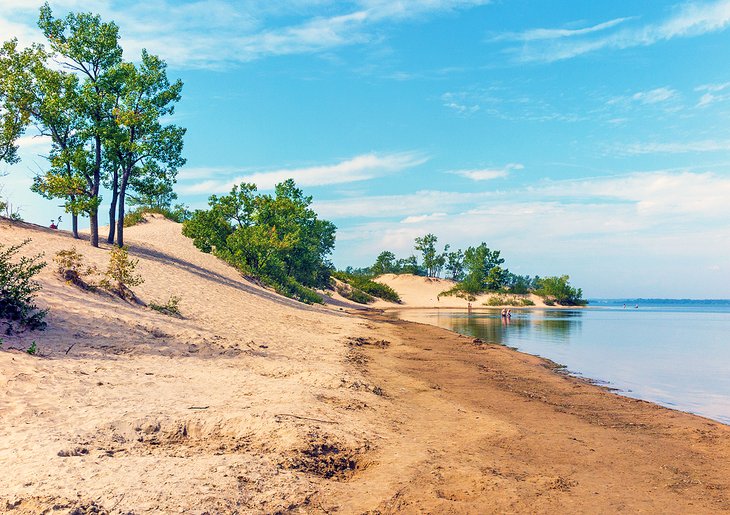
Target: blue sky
x=581, y=138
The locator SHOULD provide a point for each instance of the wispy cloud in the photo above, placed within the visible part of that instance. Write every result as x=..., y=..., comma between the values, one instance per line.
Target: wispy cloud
x=655, y=95
x=683, y=147
x=358, y=168
x=687, y=20
x=713, y=93
x=545, y=34
x=487, y=174
x=216, y=33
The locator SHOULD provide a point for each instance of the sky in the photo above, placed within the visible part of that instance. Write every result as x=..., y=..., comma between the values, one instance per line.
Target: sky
x=580, y=138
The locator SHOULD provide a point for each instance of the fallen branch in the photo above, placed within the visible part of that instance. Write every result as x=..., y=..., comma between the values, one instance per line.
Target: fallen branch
x=305, y=418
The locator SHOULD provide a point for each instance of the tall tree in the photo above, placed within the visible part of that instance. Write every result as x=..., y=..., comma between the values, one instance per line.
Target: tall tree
x=53, y=108
x=139, y=145
x=84, y=44
x=14, y=85
x=432, y=260
x=455, y=264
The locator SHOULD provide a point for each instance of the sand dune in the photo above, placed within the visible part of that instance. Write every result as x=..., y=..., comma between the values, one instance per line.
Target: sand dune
x=252, y=403
x=426, y=292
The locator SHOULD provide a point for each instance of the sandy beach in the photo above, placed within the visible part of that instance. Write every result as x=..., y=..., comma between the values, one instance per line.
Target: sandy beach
x=253, y=403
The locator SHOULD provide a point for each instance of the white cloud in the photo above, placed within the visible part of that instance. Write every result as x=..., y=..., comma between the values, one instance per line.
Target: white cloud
x=488, y=173
x=215, y=33
x=688, y=20
x=358, y=168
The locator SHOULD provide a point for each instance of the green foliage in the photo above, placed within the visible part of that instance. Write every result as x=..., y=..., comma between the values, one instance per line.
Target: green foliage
x=170, y=308
x=558, y=290
x=385, y=263
x=277, y=238
x=455, y=264
x=368, y=286
x=33, y=349
x=483, y=269
x=120, y=273
x=18, y=288
x=433, y=262
x=508, y=300
x=72, y=269
x=354, y=294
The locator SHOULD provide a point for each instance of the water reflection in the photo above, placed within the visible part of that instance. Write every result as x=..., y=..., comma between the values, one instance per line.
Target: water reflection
x=490, y=326
x=673, y=357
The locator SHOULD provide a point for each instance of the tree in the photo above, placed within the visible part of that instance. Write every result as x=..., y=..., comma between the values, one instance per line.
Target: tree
x=14, y=86
x=53, y=107
x=409, y=265
x=558, y=289
x=140, y=146
x=278, y=238
x=483, y=269
x=455, y=264
x=385, y=263
x=427, y=246
x=88, y=47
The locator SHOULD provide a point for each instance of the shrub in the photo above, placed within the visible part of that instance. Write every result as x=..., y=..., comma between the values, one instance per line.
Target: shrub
x=354, y=294
x=72, y=269
x=367, y=286
x=120, y=274
x=456, y=291
x=170, y=308
x=18, y=288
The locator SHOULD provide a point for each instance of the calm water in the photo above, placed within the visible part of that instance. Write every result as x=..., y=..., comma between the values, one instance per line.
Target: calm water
x=673, y=353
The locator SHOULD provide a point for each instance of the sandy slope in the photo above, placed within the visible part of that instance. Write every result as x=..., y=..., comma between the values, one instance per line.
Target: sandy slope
x=425, y=292
x=255, y=404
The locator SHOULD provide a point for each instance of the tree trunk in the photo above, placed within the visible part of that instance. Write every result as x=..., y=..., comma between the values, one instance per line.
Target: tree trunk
x=94, y=212
x=75, y=225
x=113, y=208
x=120, y=218
x=94, y=227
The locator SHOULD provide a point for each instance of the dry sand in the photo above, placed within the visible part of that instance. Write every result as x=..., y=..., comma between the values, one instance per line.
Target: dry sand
x=255, y=404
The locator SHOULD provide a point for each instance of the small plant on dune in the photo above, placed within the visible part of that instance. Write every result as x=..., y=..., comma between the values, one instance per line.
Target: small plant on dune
x=72, y=269
x=170, y=308
x=18, y=288
x=33, y=349
x=120, y=274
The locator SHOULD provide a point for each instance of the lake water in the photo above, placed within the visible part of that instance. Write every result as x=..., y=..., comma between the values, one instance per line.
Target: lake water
x=674, y=353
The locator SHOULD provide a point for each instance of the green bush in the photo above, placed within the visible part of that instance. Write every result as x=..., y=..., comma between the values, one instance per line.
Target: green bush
x=170, y=308
x=354, y=294
x=120, y=274
x=18, y=288
x=72, y=269
x=369, y=287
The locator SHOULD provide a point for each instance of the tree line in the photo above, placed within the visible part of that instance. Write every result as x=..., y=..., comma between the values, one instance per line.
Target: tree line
x=104, y=116
x=477, y=269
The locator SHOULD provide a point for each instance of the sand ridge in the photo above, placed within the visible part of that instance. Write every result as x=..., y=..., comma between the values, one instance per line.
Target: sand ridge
x=255, y=404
